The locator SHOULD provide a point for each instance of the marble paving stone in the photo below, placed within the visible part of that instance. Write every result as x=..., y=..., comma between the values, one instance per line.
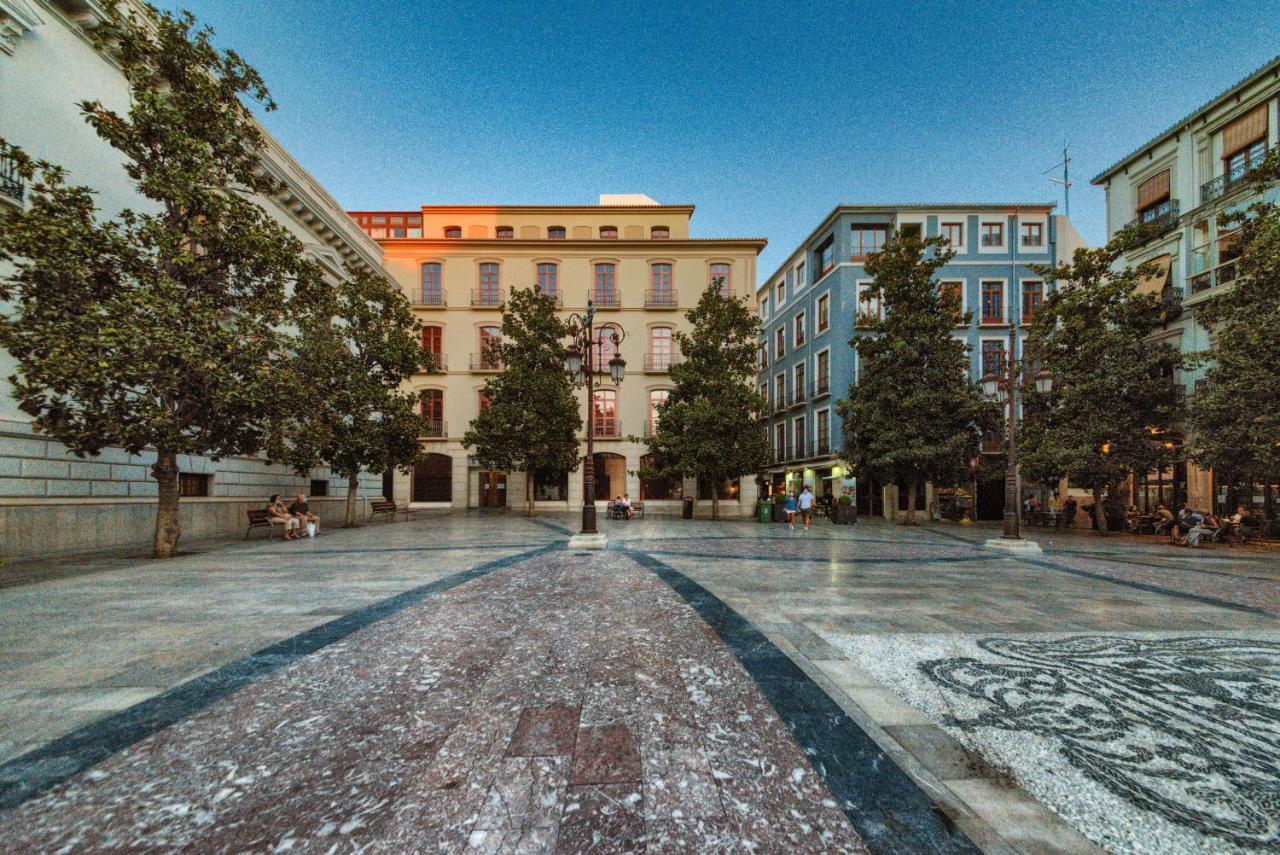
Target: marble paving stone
x=606, y=754
x=545, y=731
x=602, y=818
x=678, y=786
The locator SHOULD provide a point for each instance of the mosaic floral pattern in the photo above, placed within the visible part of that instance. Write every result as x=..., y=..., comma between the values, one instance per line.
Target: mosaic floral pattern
x=1186, y=727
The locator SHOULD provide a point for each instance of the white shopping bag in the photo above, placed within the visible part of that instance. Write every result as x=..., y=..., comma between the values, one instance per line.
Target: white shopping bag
x=311, y=529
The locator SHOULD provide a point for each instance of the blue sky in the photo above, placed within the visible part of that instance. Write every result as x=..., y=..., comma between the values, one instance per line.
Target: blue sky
x=764, y=115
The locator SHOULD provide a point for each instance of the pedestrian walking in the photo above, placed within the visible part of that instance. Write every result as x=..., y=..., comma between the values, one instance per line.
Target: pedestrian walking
x=791, y=509
x=806, y=506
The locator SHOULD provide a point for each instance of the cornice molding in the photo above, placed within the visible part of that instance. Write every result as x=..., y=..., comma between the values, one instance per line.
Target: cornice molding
x=17, y=18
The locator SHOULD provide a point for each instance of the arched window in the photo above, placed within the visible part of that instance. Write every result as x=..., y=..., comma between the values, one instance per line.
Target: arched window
x=659, y=233
x=453, y=232
x=606, y=291
x=432, y=295
x=555, y=232
x=605, y=413
x=658, y=488
x=720, y=273
x=548, y=279
x=608, y=233
x=660, y=293
x=660, y=349
x=657, y=398
x=506, y=232
x=490, y=336
x=431, y=402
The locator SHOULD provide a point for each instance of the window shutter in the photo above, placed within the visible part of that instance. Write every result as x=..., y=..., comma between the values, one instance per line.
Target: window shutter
x=1244, y=130
x=1155, y=283
x=1153, y=190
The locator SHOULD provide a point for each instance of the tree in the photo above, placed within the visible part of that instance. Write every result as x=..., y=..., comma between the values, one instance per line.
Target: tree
x=532, y=420
x=162, y=328
x=1114, y=389
x=355, y=355
x=1235, y=415
x=709, y=426
x=913, y=415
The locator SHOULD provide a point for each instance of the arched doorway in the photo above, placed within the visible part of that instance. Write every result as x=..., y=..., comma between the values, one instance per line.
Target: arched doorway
x=611, y=475
x=433, y=479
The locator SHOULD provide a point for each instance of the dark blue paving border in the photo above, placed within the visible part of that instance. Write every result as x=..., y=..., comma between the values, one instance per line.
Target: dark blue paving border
x=56, y=761
x=1128, y=583
x=888, y=809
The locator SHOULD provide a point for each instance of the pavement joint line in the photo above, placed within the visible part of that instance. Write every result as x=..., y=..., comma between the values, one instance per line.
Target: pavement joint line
x=50, y=764
x=801, y=559
x=868, y=792
x=465, y=548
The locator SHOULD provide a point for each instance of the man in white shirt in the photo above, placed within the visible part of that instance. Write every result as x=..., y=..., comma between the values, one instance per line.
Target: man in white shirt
x=806, y=506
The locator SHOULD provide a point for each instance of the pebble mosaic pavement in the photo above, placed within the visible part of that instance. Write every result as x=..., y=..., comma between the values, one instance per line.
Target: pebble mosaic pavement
x=463, y=683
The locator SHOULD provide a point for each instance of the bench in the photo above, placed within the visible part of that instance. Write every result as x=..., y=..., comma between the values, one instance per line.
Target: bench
x=260, y=519
x=637, y=510
x=388, y=509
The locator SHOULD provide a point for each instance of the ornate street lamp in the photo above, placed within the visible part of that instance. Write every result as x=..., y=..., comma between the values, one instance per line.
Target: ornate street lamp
x=578, y=358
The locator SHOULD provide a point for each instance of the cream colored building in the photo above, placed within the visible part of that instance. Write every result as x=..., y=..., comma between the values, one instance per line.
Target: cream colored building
x=633, y=257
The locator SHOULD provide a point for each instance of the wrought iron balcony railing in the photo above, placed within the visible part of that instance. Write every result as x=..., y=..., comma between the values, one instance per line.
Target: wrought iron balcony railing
x=1229, y=180
x=487, y=297
x=1171, y=303
x=661, y=298
x=797, y=397
x=605, y=299
x=658, y=363
x=439, y=363
x=434, y=297
x=824, y=445
x=607, y=429
x=485, y=362
x=1212, y=278
x=435, y=428
x=11, y=186
x=1158, y=218
x=822, y=387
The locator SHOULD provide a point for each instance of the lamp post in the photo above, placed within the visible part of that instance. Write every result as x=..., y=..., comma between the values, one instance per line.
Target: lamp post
x=579, y=362
x=1005, y=390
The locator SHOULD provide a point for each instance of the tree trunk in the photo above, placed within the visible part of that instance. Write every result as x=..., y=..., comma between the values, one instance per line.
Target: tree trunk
x=911, y=502
x=353, y=485
x=528, y=493
x=165, y=471
x=1099, y=514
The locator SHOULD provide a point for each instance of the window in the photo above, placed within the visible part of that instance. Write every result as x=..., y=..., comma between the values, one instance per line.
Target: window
x=606, y=349
x=193, y=484
x=798, y=431
x=1033, y=234
x=779, y=294
x=992, y=302
x=431, y=293
x=780, y=343
x=868, y=239
x=954, y=233
x=780, y=391
x=550, y=488
x=798, y=336
x=658, y=488
x=798, y=381
x=720, y=273
x=826, y=256
x=764, y=390
x=1153, y=198
x=605, y=412
x=319, y=487
x=764, y=307
x=606, y=293
x=555, y=232
x=608, y=233
x=548, y=279
x=490, y=337
x=993, y=358
x=660, y=285
x=764, y=356
x=824, y=312
x=952, y=291
x=483, y=401
x=453, y=232
x=659, y=233
x=1032, y=297
x=660, y=349
x=490, y=290
x=823, y=418
x=506, y=232
x=780, y=442
x=432, y=340
x=1244, y=144
x=869, y=306
x=431, y=404
x=910, y=230
x=657, y=399
x=797, y=279
x=993, y=234
x=824, y=373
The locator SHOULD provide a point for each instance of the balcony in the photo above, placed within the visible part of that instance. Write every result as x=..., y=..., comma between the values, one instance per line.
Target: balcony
x=557, y=296
x=607, y=429
x=658, y=363
x=650, y=427
x=662, y=298
x=11, y=186
x=824, y=445
x=485, y=362
x=1228, y=181
x=1171, y=303
x=435, y=428
x=780, y=401
x=822, y=388
x=487, y=297
x=1157, y=219
x=1212, y=278
x=864, y=319
x=436, y=298
x=797, y=397
x=439, y=363
x=605, y=299
x=799, y=450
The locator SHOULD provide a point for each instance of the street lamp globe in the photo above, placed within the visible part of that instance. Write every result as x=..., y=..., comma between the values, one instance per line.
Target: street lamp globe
x=990, y=385
x=573, y=361
x=1044, y=382
x=617, y=368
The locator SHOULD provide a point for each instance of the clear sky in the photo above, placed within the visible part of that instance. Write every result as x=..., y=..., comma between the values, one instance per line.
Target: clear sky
x=764, y=115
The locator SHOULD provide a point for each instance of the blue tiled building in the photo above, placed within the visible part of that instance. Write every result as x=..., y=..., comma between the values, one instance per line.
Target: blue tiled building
x=810, y=308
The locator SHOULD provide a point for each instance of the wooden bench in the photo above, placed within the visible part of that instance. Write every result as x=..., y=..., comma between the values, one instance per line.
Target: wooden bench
x=637, y=510
x=388, y=509
x=260, y=519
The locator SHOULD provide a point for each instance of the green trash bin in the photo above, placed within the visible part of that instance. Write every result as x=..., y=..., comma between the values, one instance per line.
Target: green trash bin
x=766, y=511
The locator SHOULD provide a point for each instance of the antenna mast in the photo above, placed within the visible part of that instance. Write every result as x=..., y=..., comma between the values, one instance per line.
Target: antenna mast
x=1065, y=180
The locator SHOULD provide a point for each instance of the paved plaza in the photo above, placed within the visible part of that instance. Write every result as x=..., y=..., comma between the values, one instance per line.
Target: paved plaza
x=465, y=682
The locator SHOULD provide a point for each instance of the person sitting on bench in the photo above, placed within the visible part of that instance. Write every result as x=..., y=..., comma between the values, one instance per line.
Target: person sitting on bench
x=302, y=511
x=278, y=514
